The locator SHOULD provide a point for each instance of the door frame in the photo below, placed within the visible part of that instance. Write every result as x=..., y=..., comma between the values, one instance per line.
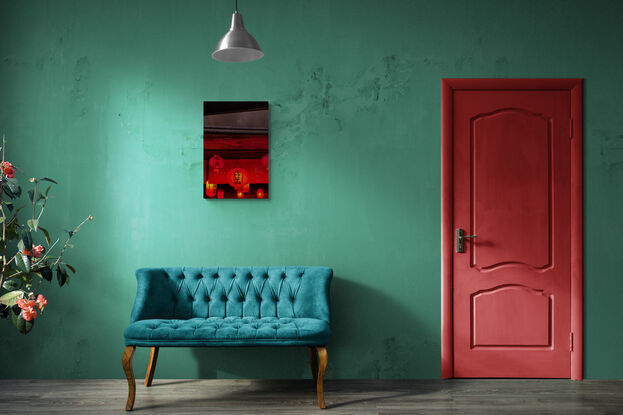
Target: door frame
x=575, y=87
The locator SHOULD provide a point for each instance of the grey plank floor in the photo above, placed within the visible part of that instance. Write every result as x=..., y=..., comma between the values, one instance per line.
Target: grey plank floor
x=485, y=396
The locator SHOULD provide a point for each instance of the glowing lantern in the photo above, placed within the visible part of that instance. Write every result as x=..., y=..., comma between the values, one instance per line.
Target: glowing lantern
x=245, y=188
x=216, y=163
x=260, y=193
x=238, y=178
x=240, y=194
x=210, y=189
x=265, y=161
x=220, y=194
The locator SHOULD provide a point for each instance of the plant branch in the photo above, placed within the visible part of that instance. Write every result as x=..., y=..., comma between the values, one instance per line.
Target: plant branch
x=14, y=275
x=42, y=209
x=13, y=219
x=47, y=251
x=71, y=234
x=34, y=202
x=4, y=263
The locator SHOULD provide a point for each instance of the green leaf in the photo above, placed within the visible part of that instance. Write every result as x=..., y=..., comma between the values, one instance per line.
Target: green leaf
x=8, y=191
x=33, y=224
x=10, y=298
x=2, y=219
x=46, y=273
x=26, y=238
x=22, y=262
x=13, y=185
x=46, y=234
x=47, y=179
x=12, y=284
x=22, y=325
x=11, y=233
x=9, y=205
x=20, y=246
x=61, y=276
x=70, y=267
x=34, y=195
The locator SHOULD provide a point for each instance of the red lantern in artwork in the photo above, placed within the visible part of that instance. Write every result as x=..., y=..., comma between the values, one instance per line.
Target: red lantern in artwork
x=265, y=161
x=240, y=194
x=259, y=194
x=210, y=189
x=220, y=194
x=216, y=163
x=238, y=178
x=245, y=188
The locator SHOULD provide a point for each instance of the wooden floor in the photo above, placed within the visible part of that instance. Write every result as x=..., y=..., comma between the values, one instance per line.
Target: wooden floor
x=298, y=397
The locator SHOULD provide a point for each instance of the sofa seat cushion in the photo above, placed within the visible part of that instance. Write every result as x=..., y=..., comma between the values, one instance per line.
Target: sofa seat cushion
x=228, y=331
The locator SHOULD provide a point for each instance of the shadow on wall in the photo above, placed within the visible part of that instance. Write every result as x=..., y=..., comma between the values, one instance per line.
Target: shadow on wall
x=373, y=337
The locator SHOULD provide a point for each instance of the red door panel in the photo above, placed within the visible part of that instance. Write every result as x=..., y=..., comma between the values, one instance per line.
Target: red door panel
x=526, y=314
x=510, y=173
x=512, y=187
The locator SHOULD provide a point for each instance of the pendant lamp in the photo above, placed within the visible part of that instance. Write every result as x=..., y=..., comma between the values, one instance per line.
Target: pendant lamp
x=237, y=45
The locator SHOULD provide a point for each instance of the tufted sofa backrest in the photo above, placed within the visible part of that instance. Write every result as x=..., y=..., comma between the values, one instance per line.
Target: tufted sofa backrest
x=184, y=292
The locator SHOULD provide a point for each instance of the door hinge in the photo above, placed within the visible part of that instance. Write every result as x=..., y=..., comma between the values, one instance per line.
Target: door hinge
x=571, y=341
x=570, y=127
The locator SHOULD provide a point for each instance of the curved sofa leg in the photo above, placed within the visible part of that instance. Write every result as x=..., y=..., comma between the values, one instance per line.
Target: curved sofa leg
x=126, y=361
x=153, y=359
x=313, y=362
x=322, y=367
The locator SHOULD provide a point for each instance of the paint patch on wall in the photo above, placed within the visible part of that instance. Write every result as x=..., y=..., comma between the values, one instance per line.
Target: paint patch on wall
x=235, y=150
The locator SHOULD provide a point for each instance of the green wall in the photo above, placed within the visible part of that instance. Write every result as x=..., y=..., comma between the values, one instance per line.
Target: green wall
x=106, y=97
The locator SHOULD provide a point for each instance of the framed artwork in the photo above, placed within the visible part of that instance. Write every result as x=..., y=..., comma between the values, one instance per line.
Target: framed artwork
x=235, y=150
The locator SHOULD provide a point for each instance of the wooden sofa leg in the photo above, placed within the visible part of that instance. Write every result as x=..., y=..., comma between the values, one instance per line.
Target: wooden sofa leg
x=313, y=362
x=153, y=358
x=322, y=367
x=126, y=361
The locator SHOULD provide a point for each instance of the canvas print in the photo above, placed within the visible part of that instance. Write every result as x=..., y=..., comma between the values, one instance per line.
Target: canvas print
x=235, y=150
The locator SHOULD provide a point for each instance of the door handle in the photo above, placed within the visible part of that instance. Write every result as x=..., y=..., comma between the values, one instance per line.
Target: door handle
x=460, y=240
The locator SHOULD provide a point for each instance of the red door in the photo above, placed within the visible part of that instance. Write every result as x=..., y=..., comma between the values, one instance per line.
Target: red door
x=511, y=281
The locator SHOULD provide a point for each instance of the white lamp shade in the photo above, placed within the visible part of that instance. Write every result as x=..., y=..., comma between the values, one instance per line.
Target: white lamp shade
x=237, y=45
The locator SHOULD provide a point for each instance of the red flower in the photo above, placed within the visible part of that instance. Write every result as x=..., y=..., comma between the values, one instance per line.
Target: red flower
x=24, y=303
x=27, y=252
x=29, y=313
x=37, y=251
x=7, y=169
x=41, y=302
x=27, y=306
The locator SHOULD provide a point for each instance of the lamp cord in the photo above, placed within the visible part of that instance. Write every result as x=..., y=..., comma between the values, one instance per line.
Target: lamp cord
x=236, y=6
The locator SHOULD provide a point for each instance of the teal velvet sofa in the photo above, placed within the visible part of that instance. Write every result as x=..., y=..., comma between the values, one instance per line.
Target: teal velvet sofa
x=229, y=307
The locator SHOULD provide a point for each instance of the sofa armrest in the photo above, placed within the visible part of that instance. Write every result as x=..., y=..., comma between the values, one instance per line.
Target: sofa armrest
x=154, y=295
